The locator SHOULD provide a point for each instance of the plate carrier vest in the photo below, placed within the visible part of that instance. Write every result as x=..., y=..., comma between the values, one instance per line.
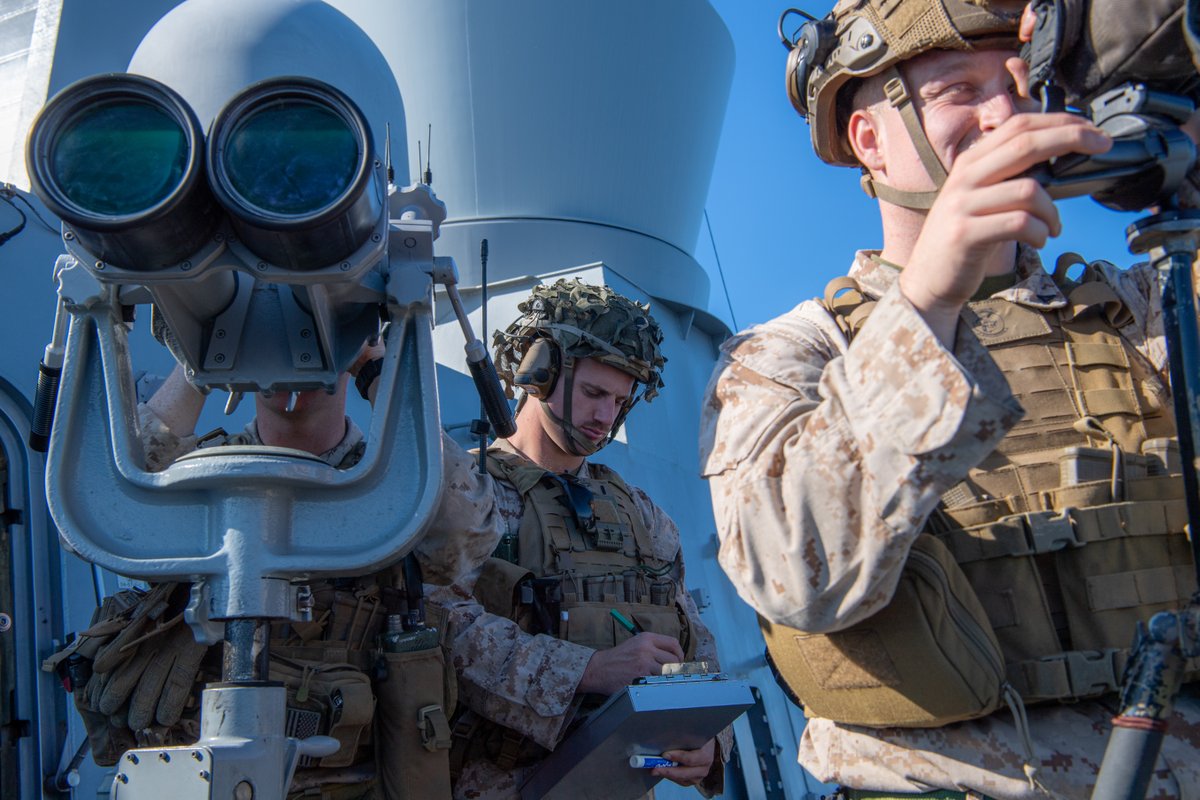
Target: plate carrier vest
x=1033, y=571
x=582, y=550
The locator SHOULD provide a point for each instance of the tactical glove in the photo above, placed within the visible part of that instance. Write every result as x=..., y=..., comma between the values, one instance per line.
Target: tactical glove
x=145, y=666
x=167, y=680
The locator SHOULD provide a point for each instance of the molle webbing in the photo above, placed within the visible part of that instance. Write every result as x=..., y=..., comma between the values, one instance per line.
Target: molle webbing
x=584, y=550
x=551, y=540
x=1033, y=533
x=1071, y=531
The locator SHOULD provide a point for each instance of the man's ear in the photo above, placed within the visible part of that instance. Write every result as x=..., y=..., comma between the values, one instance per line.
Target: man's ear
x=865, y=139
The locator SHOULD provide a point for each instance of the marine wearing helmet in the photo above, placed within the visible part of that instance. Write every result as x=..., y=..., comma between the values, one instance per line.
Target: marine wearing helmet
x=565, y=322
x=532, y=635
x=861, y=39
x=899, y=469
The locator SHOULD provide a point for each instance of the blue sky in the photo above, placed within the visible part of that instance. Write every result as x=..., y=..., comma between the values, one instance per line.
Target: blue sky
x=784, y=222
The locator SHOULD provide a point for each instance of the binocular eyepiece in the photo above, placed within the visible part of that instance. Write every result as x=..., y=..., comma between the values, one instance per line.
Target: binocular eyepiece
x=1149, y=159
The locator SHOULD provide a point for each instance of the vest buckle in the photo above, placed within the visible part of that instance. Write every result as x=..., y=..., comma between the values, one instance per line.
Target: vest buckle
x=1092, y=672
x=434, y=728
x=1047, y=531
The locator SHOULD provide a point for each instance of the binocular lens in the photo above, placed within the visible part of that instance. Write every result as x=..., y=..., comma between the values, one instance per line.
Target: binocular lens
x=292, y=161
x=119, y=157
x=291, y=157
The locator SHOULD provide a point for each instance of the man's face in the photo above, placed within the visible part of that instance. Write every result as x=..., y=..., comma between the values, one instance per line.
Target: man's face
x=960, y=97
x=599, y=392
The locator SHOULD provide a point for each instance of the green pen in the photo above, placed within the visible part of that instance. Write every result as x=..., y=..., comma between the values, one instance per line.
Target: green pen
x=625, y=623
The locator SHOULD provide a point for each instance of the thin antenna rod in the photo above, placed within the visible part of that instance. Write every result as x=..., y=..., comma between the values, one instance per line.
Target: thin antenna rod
x=483, y=262
x=419, y=162
x=429, y=156
x=387, y=152
x=720, y=271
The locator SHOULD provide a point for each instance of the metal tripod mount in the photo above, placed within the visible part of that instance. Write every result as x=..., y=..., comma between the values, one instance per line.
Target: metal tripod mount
x=241, y=523
x=1161, y=648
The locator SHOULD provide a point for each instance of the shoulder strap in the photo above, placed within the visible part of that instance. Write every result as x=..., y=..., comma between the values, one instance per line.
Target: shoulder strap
x=520, y=472
x=849, y=306
x=602, y=472
x=1092, y=290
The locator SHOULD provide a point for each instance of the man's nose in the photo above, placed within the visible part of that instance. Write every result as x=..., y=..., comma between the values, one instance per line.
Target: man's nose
x=606, y=413
x=996, y=109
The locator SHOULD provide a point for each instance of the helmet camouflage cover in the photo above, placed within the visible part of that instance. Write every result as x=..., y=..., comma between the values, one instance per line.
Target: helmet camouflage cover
x=585, y=321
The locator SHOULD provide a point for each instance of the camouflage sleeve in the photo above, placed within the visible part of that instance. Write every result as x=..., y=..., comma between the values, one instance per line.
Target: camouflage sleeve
x=664, y=534
x=824, y=460
x=467, y=524
x=160, y=444
x=520, y=681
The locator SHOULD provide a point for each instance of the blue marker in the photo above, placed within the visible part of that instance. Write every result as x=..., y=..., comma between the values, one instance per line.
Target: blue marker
x=650, y=762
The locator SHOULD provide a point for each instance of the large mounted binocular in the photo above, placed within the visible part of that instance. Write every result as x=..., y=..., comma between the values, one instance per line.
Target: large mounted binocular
x=282, y=207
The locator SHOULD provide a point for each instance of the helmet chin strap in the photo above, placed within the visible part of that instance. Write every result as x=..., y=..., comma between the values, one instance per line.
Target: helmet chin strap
x=896, y=89
x=571, y=439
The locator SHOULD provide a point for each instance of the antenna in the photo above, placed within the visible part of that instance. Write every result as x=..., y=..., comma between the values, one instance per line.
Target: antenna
x=429, y=159
x=418, y=157
x=387, y=152
x=483, y=426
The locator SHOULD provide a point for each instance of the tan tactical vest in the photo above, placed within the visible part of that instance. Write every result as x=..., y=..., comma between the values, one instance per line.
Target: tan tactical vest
x=341, y=683
x=1034, y=570
x=582, y=551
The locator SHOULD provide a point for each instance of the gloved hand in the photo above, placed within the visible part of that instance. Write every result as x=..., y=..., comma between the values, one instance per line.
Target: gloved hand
x=144, y=669
x=168, y=680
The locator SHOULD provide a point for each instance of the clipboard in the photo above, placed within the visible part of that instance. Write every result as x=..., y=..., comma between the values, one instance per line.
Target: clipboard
x=658, y=713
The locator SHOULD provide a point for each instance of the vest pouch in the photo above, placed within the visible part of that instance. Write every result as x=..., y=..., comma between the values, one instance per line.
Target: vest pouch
x=326, y=698
x=667, y=620
x=929, y=658
x=593, y=625
x=416, y=699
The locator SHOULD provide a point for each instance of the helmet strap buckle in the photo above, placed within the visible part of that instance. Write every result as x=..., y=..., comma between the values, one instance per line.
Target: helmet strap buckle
x=900, y=98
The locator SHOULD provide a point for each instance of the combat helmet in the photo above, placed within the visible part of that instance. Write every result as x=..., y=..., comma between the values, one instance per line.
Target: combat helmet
x=569, y=320
x=862, y=38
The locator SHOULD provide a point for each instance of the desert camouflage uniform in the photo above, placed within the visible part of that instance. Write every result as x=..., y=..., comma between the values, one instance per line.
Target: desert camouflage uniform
x=525, y=682
x=824, y=461
x=163, y=446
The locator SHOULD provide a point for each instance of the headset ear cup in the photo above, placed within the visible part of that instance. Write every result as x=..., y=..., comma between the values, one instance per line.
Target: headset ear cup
x=795, y=88
x=539, y=368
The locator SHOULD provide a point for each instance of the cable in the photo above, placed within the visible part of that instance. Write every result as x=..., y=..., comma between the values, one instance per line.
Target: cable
x=4, y=237
x=720, y=270
x=7, y=194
